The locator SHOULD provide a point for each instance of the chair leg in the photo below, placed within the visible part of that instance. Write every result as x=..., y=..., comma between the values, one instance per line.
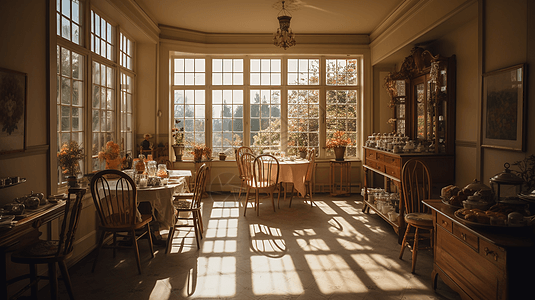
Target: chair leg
x=246, y=201
x=403, y=243
x=100, y=242
x=278, y=198
x=171, y=234
x=33, y=279
x=414, y=250
x=136, y=250
x=196, y=229
x=150, y=241
x=257, y=202
x=291, y=196
x=273, y=201
x=114, y=244
x=53, y=280
x=241, y=187
x=66, y=278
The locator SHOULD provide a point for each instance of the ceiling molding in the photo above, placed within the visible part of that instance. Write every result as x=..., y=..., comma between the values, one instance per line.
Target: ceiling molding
x=402, y=10
x=138, y=17
x=186, y=35
x=173, y=45
x=424, y=21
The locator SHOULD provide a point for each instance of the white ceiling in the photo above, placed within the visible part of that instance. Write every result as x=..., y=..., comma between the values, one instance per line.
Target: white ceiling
x=260, y=16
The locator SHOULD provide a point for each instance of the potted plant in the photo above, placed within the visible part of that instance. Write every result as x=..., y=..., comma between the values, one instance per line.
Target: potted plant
x=302, y=151
x=112, y=155
x=178, y=136
x=338, y=143
x=68, y=158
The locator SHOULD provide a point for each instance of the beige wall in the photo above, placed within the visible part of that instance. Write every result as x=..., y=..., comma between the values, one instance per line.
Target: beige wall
x=505, y=38
x=508, y=40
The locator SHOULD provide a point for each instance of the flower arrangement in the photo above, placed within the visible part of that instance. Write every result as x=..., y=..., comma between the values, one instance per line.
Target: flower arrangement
x=338, y=140
x=68, y=157
x=201, y=150
x=178, y=134
x=302, y=149
x=112, y=155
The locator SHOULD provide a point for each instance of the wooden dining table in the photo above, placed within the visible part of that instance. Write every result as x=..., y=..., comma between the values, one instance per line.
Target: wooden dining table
x=23, y=231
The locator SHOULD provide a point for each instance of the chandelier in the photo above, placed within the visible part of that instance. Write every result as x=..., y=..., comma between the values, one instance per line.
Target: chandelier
x=284, y=36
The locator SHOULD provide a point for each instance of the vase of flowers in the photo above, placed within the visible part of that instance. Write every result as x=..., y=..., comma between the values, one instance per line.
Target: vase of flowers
x=338, y=143
x=112, y=155
x=197, y=153
x=68, y=158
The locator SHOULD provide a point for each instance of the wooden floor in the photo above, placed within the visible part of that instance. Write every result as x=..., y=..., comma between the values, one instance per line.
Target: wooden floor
x=329, y=251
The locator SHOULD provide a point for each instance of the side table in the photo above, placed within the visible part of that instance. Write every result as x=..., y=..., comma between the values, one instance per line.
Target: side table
x=340, y=178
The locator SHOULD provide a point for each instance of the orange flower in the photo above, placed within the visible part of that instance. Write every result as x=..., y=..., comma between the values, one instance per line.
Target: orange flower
x=338, y=141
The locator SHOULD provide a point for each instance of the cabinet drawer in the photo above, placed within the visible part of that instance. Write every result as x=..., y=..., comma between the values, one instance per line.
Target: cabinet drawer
x=444, y=222
x=380, y=157
x=493, y=253
x=370, y=154
x=380, y=167
x=394, y=171
x=393, y=161
x=466, y=236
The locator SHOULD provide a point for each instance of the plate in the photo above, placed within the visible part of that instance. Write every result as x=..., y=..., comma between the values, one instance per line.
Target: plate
x=476, y=224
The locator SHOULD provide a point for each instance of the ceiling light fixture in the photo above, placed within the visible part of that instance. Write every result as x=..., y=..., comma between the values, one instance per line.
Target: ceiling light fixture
x=284, y=36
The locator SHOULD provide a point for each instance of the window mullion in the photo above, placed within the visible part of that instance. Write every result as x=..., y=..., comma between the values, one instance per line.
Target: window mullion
x=246, y=102
x=284, y=105
x=208, y=103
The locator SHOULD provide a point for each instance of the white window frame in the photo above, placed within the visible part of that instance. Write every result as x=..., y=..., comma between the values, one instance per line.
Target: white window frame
x=322, y=87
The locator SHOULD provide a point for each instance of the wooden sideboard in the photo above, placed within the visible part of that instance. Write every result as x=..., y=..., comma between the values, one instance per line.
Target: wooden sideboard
x=389, y=165
x=482, y=262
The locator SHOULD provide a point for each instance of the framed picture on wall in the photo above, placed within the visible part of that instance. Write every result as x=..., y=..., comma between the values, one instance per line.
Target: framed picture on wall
x=13, y=92
x=505, y=108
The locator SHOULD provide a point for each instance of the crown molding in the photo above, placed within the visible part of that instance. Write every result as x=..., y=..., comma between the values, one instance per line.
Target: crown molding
x=170, y=33
x=138, y=17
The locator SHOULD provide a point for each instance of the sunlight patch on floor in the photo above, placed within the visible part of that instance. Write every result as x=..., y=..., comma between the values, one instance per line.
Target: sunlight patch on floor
x=375, y=266
x=304, y=232
x=353, y=244
x=219, y=246
x=326, y=208
x=216, y=277
x=225, y=212
x=266, y=239
x=347, y=207
x=221, y=228
x=333, y=275
x=275, y=276
x=161, y=290
x=313, y=244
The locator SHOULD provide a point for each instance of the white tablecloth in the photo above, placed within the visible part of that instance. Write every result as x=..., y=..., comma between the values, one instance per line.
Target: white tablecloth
x=294, y=172
x=161, y=199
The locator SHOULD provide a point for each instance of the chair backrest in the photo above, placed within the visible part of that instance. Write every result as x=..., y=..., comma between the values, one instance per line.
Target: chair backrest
x=168, y=164
x=115, y=197
x=311, y=157
x=200, y=185
x=266, y=171
x=416, y=184
x=246, y=164
x=239, y=154
x=73, y=209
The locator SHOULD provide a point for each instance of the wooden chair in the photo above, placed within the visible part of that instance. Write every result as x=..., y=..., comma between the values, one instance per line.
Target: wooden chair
x=115, y=197
x=239, y=154
x=52, y=252
x=309, y=186
x=192, y=207
x=416, y=185
x=262, y=177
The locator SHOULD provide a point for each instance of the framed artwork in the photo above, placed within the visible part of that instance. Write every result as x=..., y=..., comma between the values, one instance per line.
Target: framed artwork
x=504, y=108
x=13, y=92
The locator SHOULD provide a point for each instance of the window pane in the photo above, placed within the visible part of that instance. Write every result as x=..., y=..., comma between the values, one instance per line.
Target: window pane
x=342, y=115
x=265, y=120
x=303, y=120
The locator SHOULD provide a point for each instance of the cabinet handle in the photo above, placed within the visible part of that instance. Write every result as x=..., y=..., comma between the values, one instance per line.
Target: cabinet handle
x=487, y=252
x=444, y=223
x=463, y=235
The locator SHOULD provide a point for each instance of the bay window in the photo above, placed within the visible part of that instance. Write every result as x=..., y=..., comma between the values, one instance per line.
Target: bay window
x=265, y=103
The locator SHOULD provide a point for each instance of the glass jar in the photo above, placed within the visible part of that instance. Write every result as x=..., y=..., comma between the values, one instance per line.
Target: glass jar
x=151, y=168
x=162, y=171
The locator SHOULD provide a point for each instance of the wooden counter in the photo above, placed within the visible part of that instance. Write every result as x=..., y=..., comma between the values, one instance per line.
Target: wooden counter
x=482, y=262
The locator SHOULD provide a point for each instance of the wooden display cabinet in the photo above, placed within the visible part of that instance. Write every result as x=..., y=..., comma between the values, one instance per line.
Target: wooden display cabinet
x=423, y=99
x=423, y=108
